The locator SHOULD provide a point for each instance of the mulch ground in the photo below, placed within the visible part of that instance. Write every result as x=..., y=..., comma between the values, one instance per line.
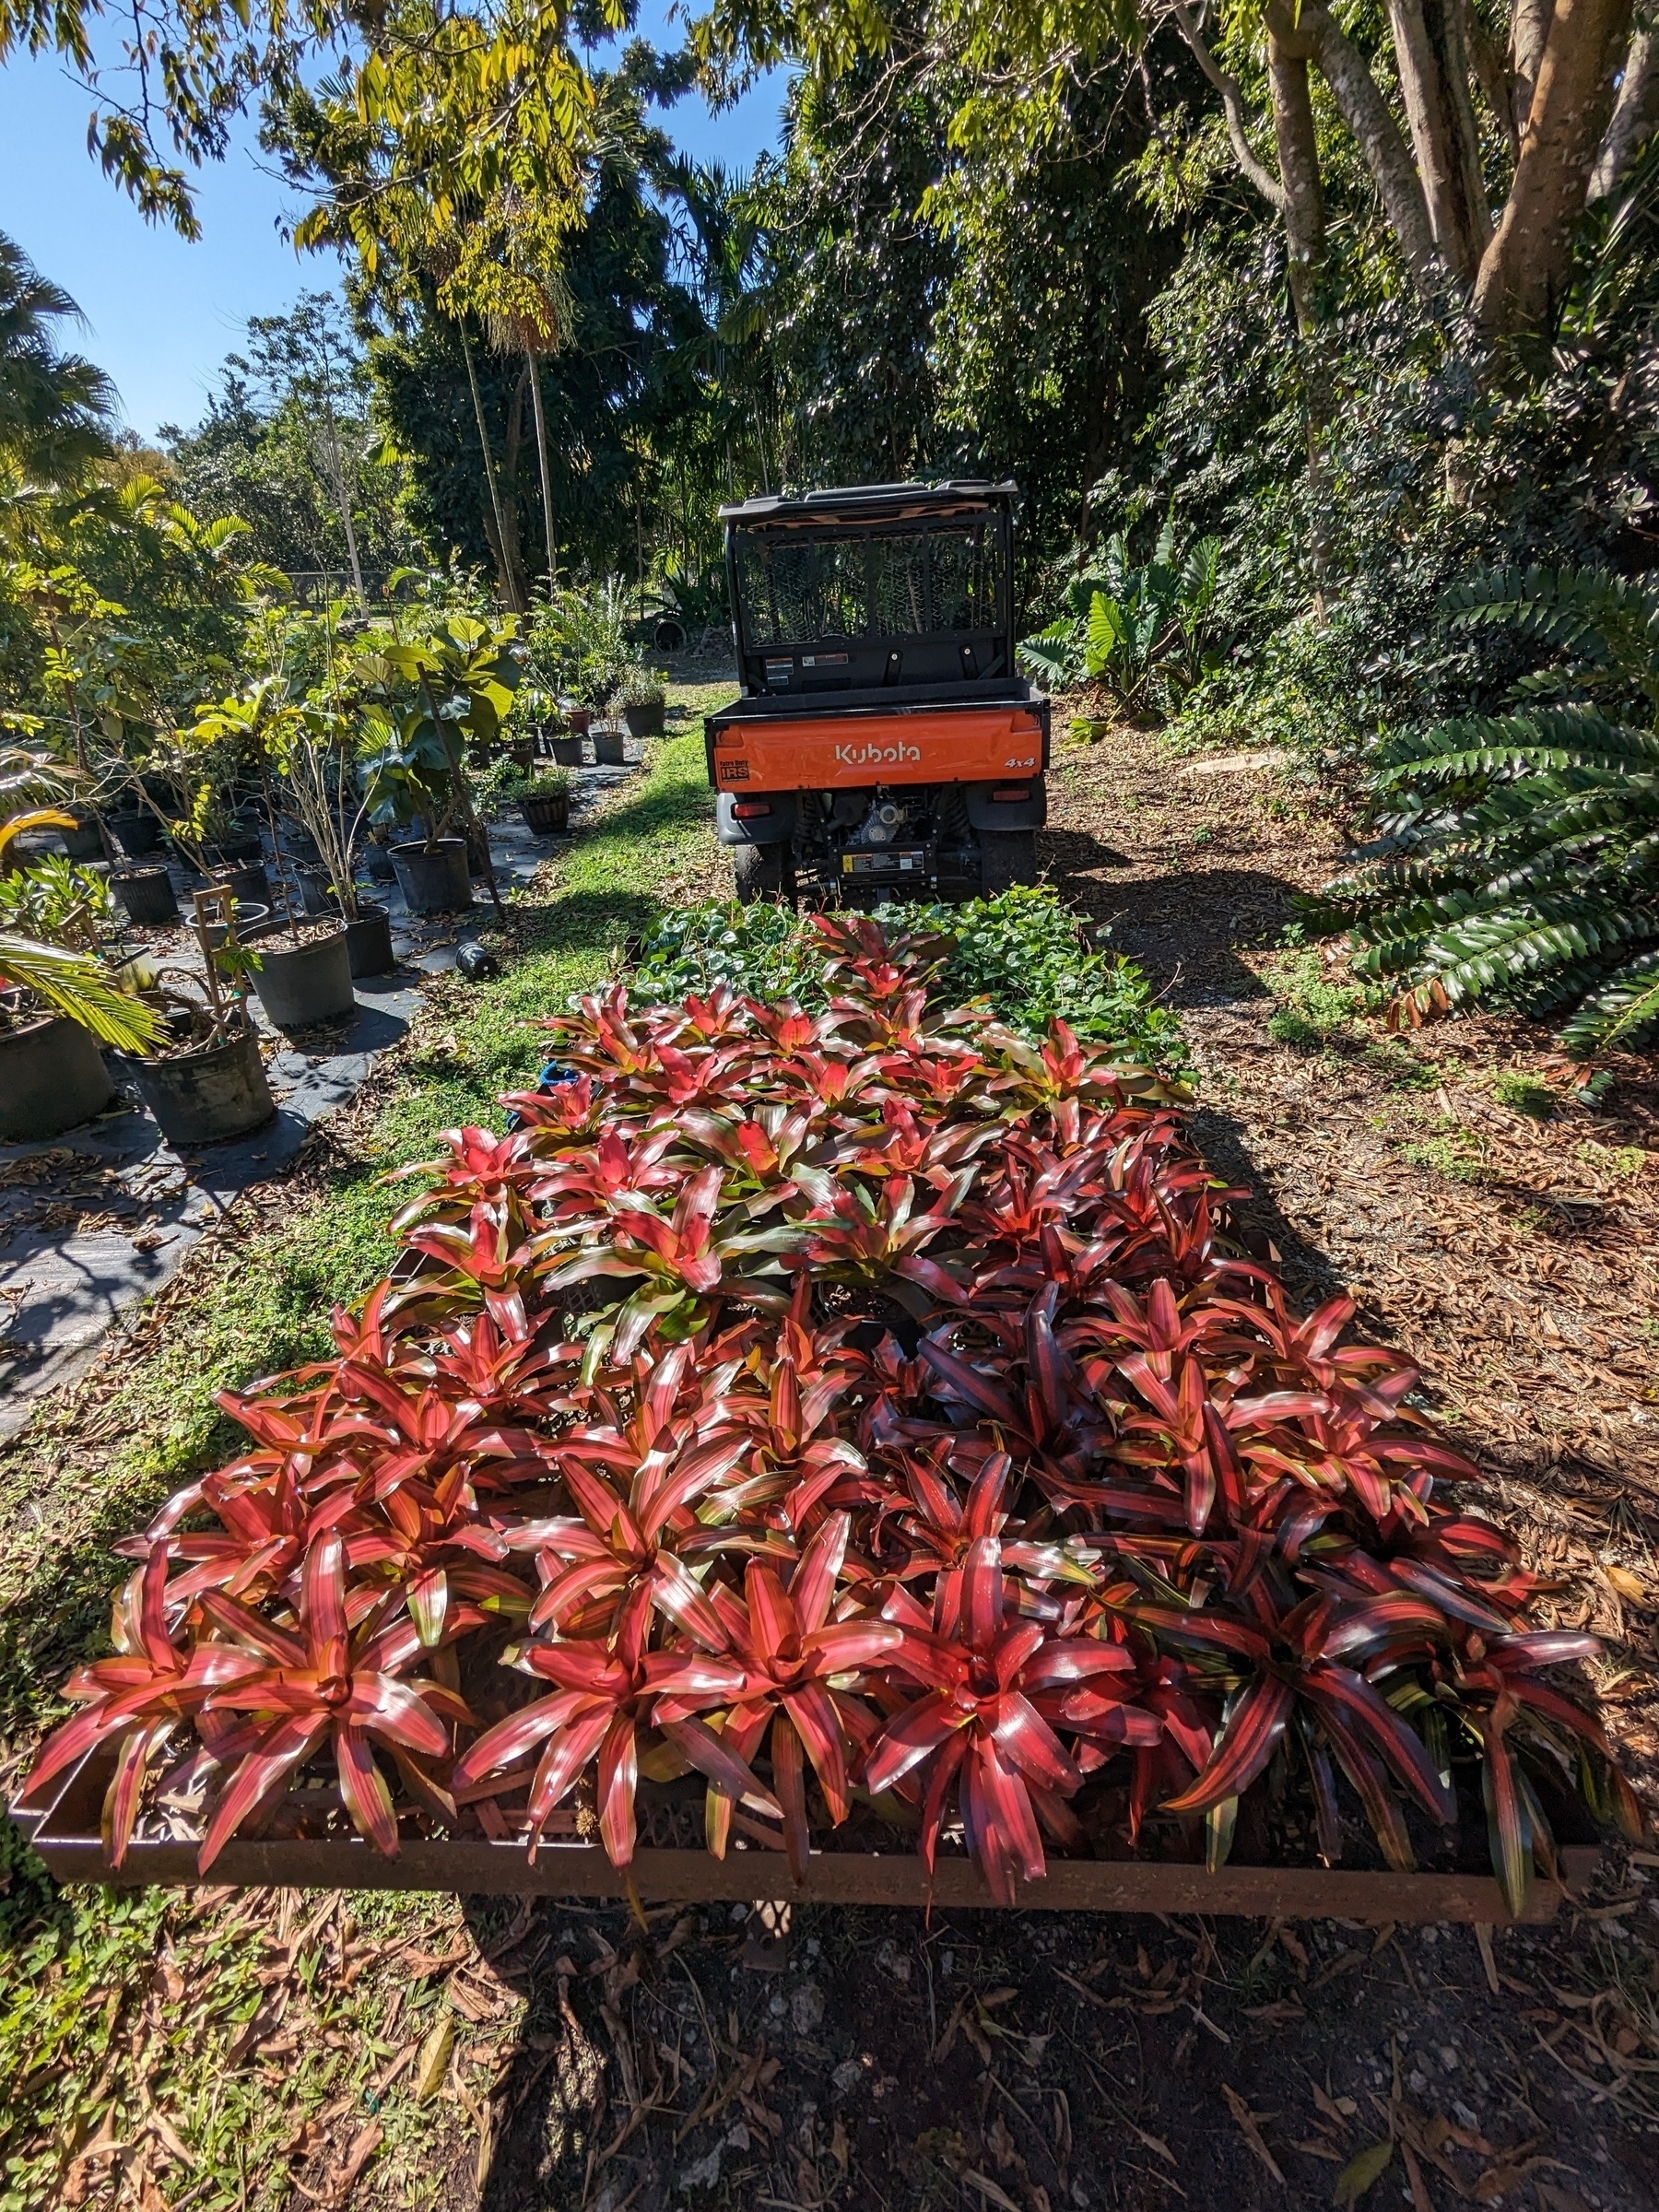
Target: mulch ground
x=1034, y=2061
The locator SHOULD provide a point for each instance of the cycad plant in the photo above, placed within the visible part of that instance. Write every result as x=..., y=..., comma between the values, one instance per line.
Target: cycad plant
x=1518, y=860
x=49, y=948
x=1144, y=630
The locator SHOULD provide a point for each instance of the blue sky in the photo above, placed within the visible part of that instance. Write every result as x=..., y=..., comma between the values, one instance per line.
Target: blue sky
x=163, y=315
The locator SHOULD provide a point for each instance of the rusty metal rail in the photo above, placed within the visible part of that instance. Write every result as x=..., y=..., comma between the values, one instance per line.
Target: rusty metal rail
x=68, y=1838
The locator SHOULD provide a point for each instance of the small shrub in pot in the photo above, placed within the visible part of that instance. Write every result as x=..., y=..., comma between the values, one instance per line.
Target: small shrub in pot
x=546, y=803
x=642, y=700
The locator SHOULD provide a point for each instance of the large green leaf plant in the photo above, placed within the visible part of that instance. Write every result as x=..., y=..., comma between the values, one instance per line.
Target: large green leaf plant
x=424, y=695
x=1144, y=630
x=1518, y=860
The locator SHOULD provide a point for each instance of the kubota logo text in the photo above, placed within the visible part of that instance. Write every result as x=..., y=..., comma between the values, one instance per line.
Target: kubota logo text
x=876, y=755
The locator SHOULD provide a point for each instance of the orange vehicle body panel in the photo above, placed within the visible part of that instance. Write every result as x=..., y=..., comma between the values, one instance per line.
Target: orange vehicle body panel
x=820, y=753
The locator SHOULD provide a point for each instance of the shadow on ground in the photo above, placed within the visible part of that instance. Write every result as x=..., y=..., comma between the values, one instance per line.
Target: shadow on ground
x=1065, y=2060
x=1186, y=929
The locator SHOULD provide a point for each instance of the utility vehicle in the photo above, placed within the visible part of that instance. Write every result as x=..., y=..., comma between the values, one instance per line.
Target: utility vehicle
x=883, y=745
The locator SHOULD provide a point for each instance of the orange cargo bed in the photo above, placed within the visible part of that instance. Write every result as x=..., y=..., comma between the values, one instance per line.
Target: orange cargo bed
x=822, y=752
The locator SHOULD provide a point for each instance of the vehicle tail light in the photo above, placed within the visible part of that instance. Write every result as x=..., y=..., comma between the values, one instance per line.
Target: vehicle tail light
x=1012, y=791
x=746, y=809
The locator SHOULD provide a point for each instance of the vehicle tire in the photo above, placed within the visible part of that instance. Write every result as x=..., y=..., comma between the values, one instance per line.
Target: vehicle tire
x=762, y=872
x=1006, y=857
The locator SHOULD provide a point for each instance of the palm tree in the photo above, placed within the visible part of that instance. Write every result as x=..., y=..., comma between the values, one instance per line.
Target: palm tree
x=56, y=409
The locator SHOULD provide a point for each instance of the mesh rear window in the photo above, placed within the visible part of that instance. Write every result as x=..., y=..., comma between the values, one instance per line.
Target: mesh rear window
x=896, y=584
x=802, y=588
x=964, y=579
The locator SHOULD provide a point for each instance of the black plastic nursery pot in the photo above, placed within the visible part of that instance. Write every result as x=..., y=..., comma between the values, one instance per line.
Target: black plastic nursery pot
x=316, y=893
x=568, y=751
x=369, y=941
x=610, y=748
x=247, y=880
x=67, y=1838
x=251, y=921
x=648, y=720
x=547, y=815
x=207, y=1096
x=136, y=833
x=147, y=896
x=83, y=843
x=302, y=983
x=434, y=879
x=52, y=1077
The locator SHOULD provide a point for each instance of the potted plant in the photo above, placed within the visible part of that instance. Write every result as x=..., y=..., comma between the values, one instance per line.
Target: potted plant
x=644, y=703
x=578, y=643
x=546, y=803
x=423, y=698
x=59, y=1000
x=304, y=972
x=204, y=1083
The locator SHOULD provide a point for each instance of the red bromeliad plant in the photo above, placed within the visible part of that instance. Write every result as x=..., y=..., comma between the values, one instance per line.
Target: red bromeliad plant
x=839, y=1407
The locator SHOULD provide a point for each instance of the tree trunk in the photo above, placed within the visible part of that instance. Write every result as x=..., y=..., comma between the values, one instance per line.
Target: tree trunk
x=1232, y=105
x=508, y=479
x=504, y=571
x=1490, y=61
x=1529, y=26
x=1527, y=265
x=549, y=522
x=1297, y=147
x=1298, y=170
x=1434, y=81
x=1635, y=115
x=342, y=491
x=1368, y=116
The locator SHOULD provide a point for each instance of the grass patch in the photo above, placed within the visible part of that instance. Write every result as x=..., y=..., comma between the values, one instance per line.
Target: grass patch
x=1400, y=1067
x=1522, y=1093
x=1623, y=1162
x=1311, y=1006
x=1455, y=1152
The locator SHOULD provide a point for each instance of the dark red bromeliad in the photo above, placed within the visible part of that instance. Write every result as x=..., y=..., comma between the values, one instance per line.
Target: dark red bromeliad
x=870, y=1409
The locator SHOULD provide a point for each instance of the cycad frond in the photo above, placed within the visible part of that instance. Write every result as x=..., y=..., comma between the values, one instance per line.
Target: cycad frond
x=76, y=984
x=1518, y=854
x=1623, y=1010
x=1489, y=745
x=1611, y=622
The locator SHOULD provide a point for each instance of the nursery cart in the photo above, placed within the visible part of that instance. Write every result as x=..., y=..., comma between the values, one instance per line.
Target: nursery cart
x=883, y=745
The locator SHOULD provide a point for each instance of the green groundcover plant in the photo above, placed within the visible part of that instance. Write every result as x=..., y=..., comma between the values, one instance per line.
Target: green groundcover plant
x=1022, y=952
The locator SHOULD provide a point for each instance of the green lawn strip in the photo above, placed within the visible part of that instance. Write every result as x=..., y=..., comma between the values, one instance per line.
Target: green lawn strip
x=86, y=2029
